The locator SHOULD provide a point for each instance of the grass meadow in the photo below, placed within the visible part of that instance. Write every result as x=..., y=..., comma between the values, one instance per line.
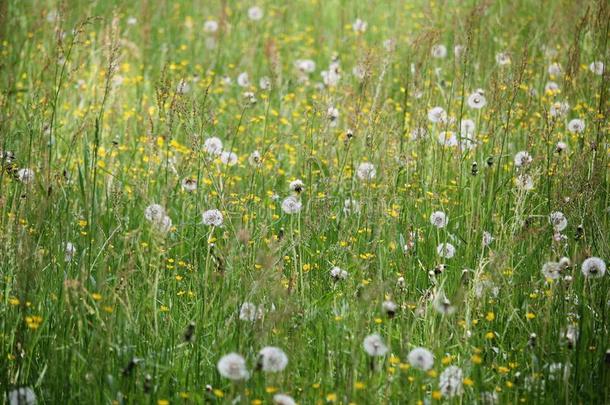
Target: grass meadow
x=310, y=202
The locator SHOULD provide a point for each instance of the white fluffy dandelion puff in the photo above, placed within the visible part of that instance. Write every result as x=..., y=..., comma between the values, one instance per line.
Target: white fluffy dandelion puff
x=593, y=267
x=522, y=158
x=576, y=126
x=338, y=274
x=255, y=13
x=25, y=175
x=154, y=213
x=212, y=217
x=366, y=171
x=373, y=345
x=445, y=250
x=476, y=100
x=597, y=68
x=22, y=396
x=558, y=221
x=450, y=382
x=439, y=219
x=359, y=26
x=438, y=51
x=228, y=158
x=283, y=399
x=213, y=146
x=551, y=270
x=502, y=59
x=291, y=205
x=421, y=358
x=297, y=186
x=437, y=114
x=272, y=359
x=69, y=251
x=250, y=312
x=233, y=367
x=189, y=185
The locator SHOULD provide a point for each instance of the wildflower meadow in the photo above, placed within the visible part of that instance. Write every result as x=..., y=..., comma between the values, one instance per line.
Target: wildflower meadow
x=304, y=202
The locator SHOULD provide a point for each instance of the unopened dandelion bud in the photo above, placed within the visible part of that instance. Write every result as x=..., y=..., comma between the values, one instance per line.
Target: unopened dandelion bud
x=532, y=340
x=130, y=366
x=147, y=386
x=189, y=332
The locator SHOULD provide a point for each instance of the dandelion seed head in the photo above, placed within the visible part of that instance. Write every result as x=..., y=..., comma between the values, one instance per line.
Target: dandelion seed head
x=250, y=312
x=503, y=59
x=559, y=109
x=228, y=158
x=305, y=65
x=438, y=51
x=439, y=219
x=189, y=185
x=243, y=80
x=437, y=114
x=26, y=175
x=443, y=306
x=366, y=171
x=458, y=51
x=249, y=97
x=487, y=238
x=338, y=274
x=333, y=115
x=522, y=158
x=593, y=267
x=389, y=307
x=165, y=224
x=212, y=217
x=297, y=186
x=154, y=213
x=447, y=138
x=421, y=358
x=467, y=127
x=272, y=359
x=450, y=382
x=551, y=270
x=476, y=101
x=69, y=251
x=558, y=221
x=255, y=159
x=489, y=398
x=233, y=367
x=213, y=146
x=255, y=13
x=374, y=346
x=555, y=69
x=283, y=399
x=291, y=205
x=524, y=182
x=560, y=147
x=445, y=250
x=264, y=83
x=565, y=262
x=22, y=396
x=210, y=26
x=351, y=206
x=576, y=126
x=597, y=67
x=359, y=26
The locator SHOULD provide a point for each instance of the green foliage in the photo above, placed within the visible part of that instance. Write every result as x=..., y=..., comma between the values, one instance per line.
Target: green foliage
x=111, y=106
